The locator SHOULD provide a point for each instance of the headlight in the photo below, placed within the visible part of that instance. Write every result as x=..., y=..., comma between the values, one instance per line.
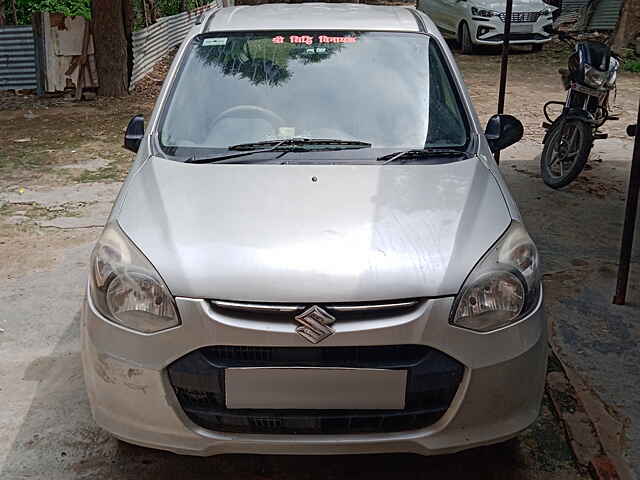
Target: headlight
x=126, y=289
x=479, y=12
x=503, y=287
x=594, y=77
x=545, y=12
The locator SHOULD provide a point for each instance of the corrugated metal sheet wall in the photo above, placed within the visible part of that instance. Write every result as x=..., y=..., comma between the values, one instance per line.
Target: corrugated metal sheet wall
x=155, y=41
x=591, y=15
x=569, y=6
x=574, y=13
x=605, y=15
x=17, y=58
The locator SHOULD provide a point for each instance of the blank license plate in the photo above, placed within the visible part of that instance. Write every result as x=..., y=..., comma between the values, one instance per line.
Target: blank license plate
x=315, y=388
x=515, y=28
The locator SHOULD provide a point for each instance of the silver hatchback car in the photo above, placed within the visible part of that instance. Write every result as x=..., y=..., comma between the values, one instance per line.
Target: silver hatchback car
x=314, y=251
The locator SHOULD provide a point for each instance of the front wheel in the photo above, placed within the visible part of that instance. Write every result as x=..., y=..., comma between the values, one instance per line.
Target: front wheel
x=565, y=152
x=466, y=44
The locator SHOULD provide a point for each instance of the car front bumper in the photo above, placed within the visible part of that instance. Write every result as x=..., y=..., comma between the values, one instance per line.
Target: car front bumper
x=490, y=31
x=131, y=395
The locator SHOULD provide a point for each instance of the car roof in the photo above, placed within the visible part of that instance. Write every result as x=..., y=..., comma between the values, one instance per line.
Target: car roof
x=314, y=16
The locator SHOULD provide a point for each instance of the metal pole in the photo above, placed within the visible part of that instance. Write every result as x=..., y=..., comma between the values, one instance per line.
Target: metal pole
x=630, y=215
x=505, y=63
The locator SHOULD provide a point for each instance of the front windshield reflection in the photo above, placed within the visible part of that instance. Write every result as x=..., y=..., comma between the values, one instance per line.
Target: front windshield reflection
x=378, y=87
x=264, y=61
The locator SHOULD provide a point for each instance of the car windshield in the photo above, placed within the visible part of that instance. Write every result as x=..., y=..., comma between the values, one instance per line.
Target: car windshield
x=390, y=90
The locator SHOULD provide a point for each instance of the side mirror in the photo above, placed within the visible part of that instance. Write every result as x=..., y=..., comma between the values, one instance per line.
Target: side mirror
x=135, y=134
x=632, y=130
x=503, y=131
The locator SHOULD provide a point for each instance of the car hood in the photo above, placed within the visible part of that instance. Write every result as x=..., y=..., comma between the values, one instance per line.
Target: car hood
x=518, y=5
x=313, y=233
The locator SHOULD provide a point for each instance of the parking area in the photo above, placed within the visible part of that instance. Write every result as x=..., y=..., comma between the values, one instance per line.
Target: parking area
x=60, y=168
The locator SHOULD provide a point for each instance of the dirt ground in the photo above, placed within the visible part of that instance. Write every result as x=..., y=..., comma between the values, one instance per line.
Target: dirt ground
x=61, y=165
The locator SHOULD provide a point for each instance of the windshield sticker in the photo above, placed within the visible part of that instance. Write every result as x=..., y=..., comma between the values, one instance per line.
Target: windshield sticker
x=214, y=42
x=286, y=132
x=306, y=39
x=309, y=39
x=325, y=39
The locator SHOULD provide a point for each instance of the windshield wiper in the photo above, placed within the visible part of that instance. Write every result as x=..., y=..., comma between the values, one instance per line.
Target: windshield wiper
x=286, y=146
x=233, y=156
x=330, y=143
x=421, y=153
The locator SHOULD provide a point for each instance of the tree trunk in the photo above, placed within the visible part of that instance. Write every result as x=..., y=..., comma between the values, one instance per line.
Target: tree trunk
x=110, y=27
x=183, y=6
x=15, y=12
x=128, y=18
x=3, y=18
x=145, y=11
x=150, y=12
x=628, y=27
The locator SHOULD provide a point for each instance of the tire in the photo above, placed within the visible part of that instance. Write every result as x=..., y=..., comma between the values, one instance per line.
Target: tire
x=466, y=44
x=565, y=152
x=537, y=47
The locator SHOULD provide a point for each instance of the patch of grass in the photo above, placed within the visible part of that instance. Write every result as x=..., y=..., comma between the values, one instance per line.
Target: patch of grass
x=39, y=154
x=631, y=60
x=632, y=65
x=71, y=209
x=6, y=209
x=113, y=172
x=545, y=442
x=26, y=159
x=35, y=211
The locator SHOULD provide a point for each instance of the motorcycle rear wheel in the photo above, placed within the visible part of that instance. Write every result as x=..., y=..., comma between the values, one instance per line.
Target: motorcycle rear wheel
x=565, y=152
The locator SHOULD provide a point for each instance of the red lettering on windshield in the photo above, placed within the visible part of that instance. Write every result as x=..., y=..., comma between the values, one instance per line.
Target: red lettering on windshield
x=326, y=39
x=306, y=39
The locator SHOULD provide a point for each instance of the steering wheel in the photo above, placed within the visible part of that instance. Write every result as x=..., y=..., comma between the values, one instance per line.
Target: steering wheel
x=251, y=111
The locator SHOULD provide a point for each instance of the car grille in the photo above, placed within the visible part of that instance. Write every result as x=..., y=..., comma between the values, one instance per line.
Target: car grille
x=286, y=312
x=522, y=17
x=432, y=382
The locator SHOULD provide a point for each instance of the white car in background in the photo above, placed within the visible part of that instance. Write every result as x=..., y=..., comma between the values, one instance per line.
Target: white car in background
x=481, y=22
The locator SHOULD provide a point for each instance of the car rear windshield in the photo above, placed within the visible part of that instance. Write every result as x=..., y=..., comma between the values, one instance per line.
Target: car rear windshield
x=392, y=90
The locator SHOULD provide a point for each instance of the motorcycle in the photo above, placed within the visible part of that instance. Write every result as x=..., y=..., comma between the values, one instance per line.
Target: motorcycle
x=589, y=81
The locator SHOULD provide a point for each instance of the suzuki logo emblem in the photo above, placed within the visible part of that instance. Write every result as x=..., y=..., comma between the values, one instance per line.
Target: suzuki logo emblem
x=314, y=324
